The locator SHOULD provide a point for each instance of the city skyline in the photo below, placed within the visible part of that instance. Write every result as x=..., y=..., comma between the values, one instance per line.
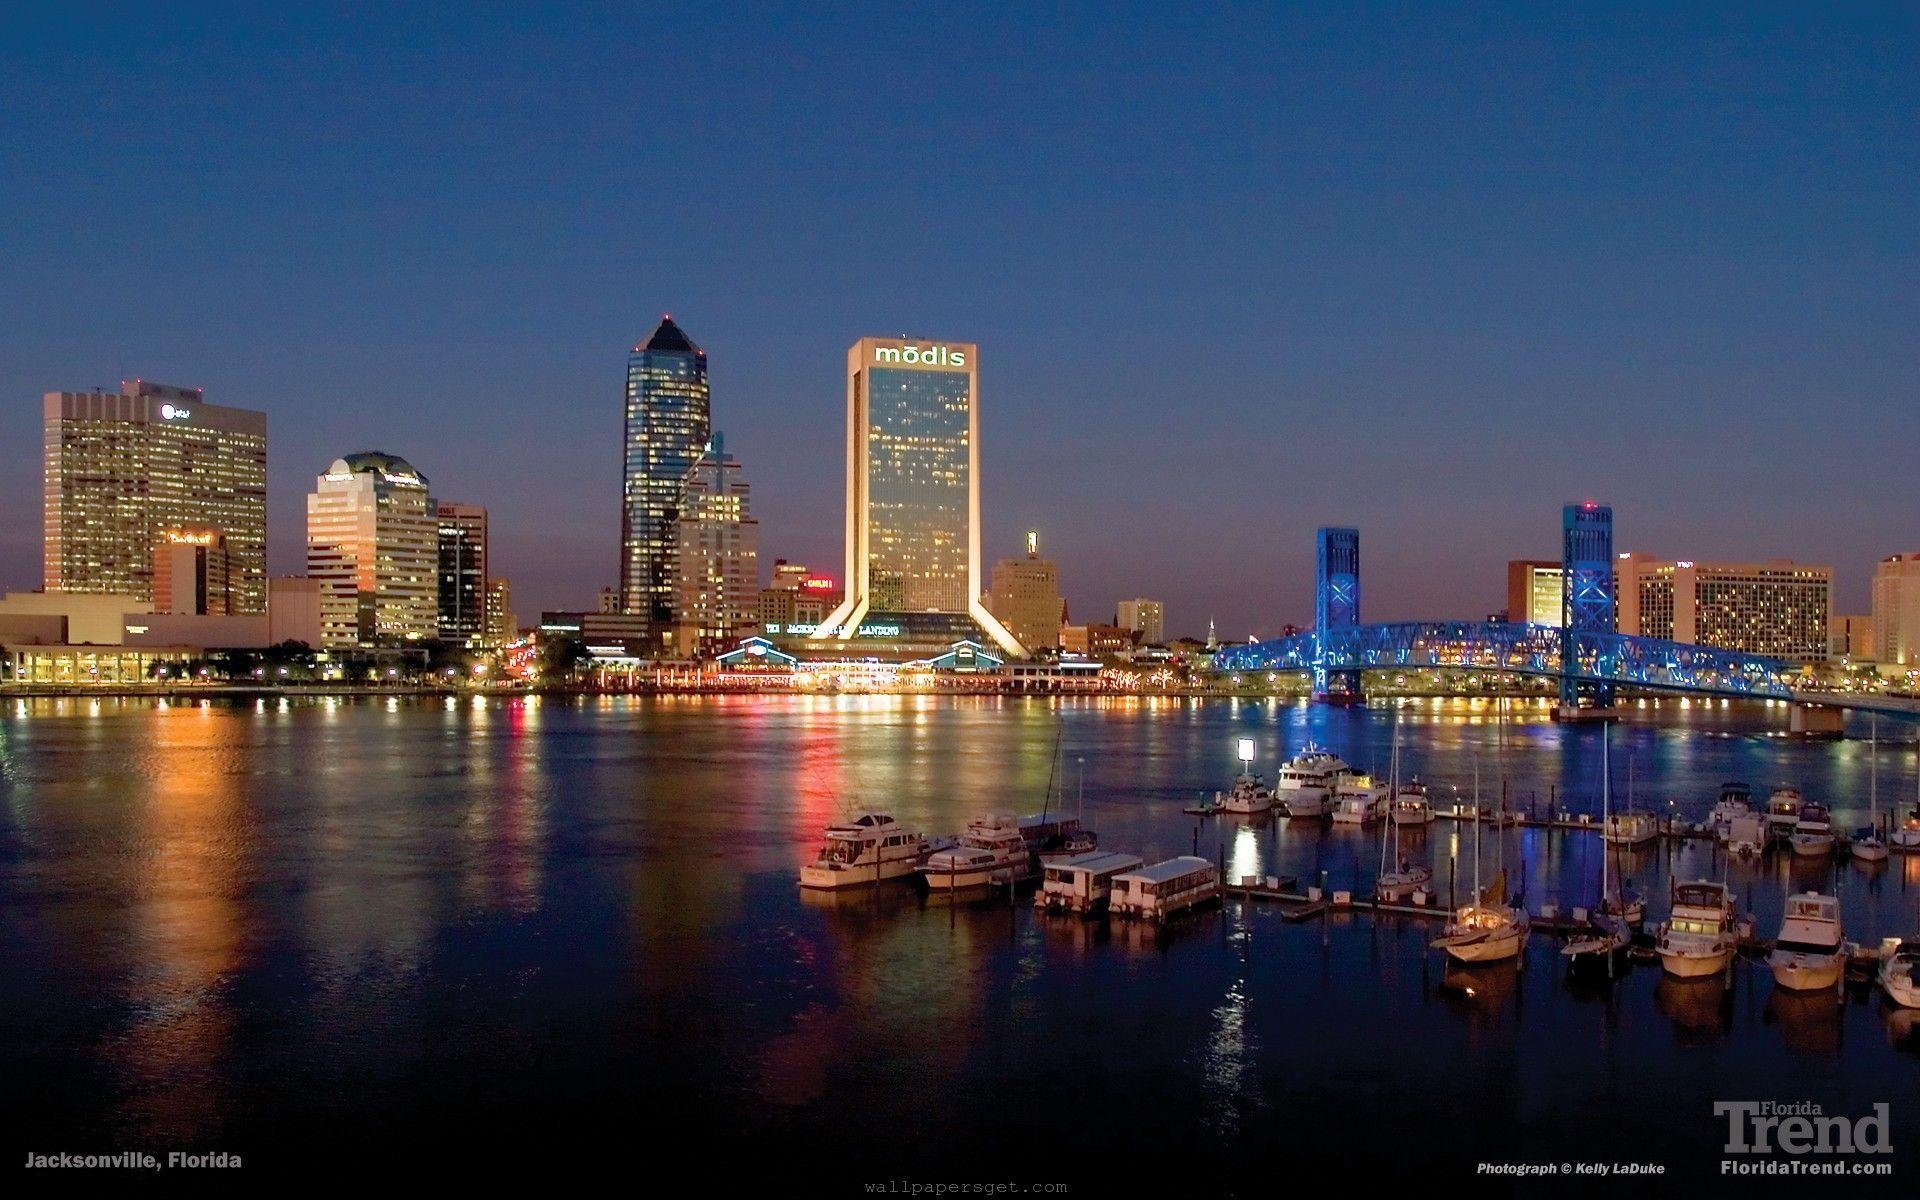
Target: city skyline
x=1741, y=284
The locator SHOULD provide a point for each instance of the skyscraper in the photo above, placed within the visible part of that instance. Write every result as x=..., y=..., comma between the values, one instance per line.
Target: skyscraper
x=1896, y=609
x=1148, y=618
x=668, y=424
x=125, y=469
x=462, y=574
x=1025, y=594
x=192, y=574
x=1536, y=592
x=1778, y=608
x=373, y=545
x=716, y=554
x=913, y=495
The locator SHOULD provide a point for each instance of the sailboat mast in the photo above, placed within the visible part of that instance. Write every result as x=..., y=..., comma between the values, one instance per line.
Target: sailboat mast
x=1606, y=809
x=1477, y=816
x=1873, y=773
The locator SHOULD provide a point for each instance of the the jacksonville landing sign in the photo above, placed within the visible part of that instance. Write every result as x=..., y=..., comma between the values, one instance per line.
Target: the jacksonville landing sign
x=1799, y=1138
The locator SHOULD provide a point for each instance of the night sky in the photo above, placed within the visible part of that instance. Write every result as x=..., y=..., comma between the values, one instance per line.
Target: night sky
x=1233, y=275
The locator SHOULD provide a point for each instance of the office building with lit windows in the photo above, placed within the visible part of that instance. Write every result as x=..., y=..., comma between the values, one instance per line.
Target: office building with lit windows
x=1148, y=618
x=913, y=573
x=1536, y=592
x=1025, y=594
x=461, y=579
x=373, y=546
x=668, y=424
x=716, y=555
x=126, y=469
x=1779, y=608
x=1896, y=610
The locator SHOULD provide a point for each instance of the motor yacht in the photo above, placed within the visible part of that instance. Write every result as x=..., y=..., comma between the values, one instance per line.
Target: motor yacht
x=1306, y=782
x=1630, y=829
x=991, y=851
x=1736, y=800
x=869, y=848
x=1699, y=936
x=1783, y=812
x=1813, y=835
x=1899, y=973
x=1809, y=954
x=1247, y=796
x=1359, y=800
x=1411, y=805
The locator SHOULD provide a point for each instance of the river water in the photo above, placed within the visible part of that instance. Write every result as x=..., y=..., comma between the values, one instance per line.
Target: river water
x=479, y=935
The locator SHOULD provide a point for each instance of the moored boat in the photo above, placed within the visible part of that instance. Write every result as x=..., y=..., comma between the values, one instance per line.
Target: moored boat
x=1783, y=812
x=1899, y=974
x=1412, y=805
x=1163, y=890
x=991, y=851
x=1486, y=930
x=1081, y=884
x=1358, y=799
x=870, y=848
x=1736, y=800
x=1809, y=953
x=1699, y=936
x=1247, y=796
x=1813, y=835
x=1603, y=948
x=1306, y=782
x=1630, y=829
x=1867, y=844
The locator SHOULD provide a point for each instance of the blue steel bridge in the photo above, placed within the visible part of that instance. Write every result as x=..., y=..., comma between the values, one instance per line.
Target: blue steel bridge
x=1584, y=653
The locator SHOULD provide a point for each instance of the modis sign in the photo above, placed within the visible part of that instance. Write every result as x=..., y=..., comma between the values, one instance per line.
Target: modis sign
x=920, y=356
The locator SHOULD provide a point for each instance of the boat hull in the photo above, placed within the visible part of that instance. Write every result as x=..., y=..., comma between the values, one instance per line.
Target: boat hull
x=1812, y=845
x=1806, y=972
x=826, y=879
x=1870, y=851
x=1695, y=964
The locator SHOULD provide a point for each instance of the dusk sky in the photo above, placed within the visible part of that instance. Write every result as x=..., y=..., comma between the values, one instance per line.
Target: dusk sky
x=1233, y=275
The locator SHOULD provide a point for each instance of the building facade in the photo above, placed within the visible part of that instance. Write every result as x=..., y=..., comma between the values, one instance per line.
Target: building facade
x=668, y=425
x=503, y=628
x=1777, y=608
x=1024, y=593
x=1147, y=618
x=1536, y=592
x=913, y=496
x=716, y=554
x=461, y=576
x=192, y=573
x=373, y=548
x=1896, y=609
x=123, y=469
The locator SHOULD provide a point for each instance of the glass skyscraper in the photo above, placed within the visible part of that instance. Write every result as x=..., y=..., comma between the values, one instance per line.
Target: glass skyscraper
x=669, y=421
x=913, y=494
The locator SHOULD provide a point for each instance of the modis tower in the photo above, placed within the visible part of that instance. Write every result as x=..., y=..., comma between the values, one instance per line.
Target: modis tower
x=913, y=495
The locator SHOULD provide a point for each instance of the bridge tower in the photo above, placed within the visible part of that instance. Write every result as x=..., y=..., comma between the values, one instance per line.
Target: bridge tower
x=1336, y=606
x=1587, y=606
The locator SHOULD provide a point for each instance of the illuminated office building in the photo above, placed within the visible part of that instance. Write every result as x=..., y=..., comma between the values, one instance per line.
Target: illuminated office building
x=1896, y=610
x=1148, y=618
x=1024, y=593
x=668, y=425
x=373, y=547
x=125, y=468
x=913, y=498
x=462, y=573
x=192, y=573
x=1536, y=592
x=1778, y=608
x=502, y=626
x=716, y=554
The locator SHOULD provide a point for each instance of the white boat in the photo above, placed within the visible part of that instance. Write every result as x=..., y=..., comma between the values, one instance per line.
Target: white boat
x=1906, y=839
x=867, y=849
x=1412, y=805
x=1397, y=886
x=1605, y=946
x=1736, y=800
x=1247, y=796
x=1809, y=953
x=1814, y=834
x=1868, y=846
x=1358, y=799
x=1699, y=935
x=1487, y=930
x=1630, y=829
x=1164, y=889
x=1055, y=837
x=991, y=851
x=1747, y=836
x=1900, y=970
x=1080, y=884
x=1783, y=812
x=1306, y=782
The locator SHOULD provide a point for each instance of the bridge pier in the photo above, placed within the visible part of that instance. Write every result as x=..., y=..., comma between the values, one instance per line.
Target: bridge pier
x=1337, y=687
x=1817, y=721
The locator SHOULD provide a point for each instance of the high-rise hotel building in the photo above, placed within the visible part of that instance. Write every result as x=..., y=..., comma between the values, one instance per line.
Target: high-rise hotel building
x=373, y=544
x=913, y=497
x=1896, y=610
x=128, y=471
x=716, y=554
x=1777, y=608
x=668, y=424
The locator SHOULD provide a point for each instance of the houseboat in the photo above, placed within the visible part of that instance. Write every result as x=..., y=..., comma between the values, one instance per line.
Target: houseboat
x=869, y=848
x=1080, y=884
x=1164, y=889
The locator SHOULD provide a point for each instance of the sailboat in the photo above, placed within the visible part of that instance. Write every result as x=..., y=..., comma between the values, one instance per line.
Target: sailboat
x=1868, y=845
x=1398, y=885
x=1611, y=935
x=1486, y=930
